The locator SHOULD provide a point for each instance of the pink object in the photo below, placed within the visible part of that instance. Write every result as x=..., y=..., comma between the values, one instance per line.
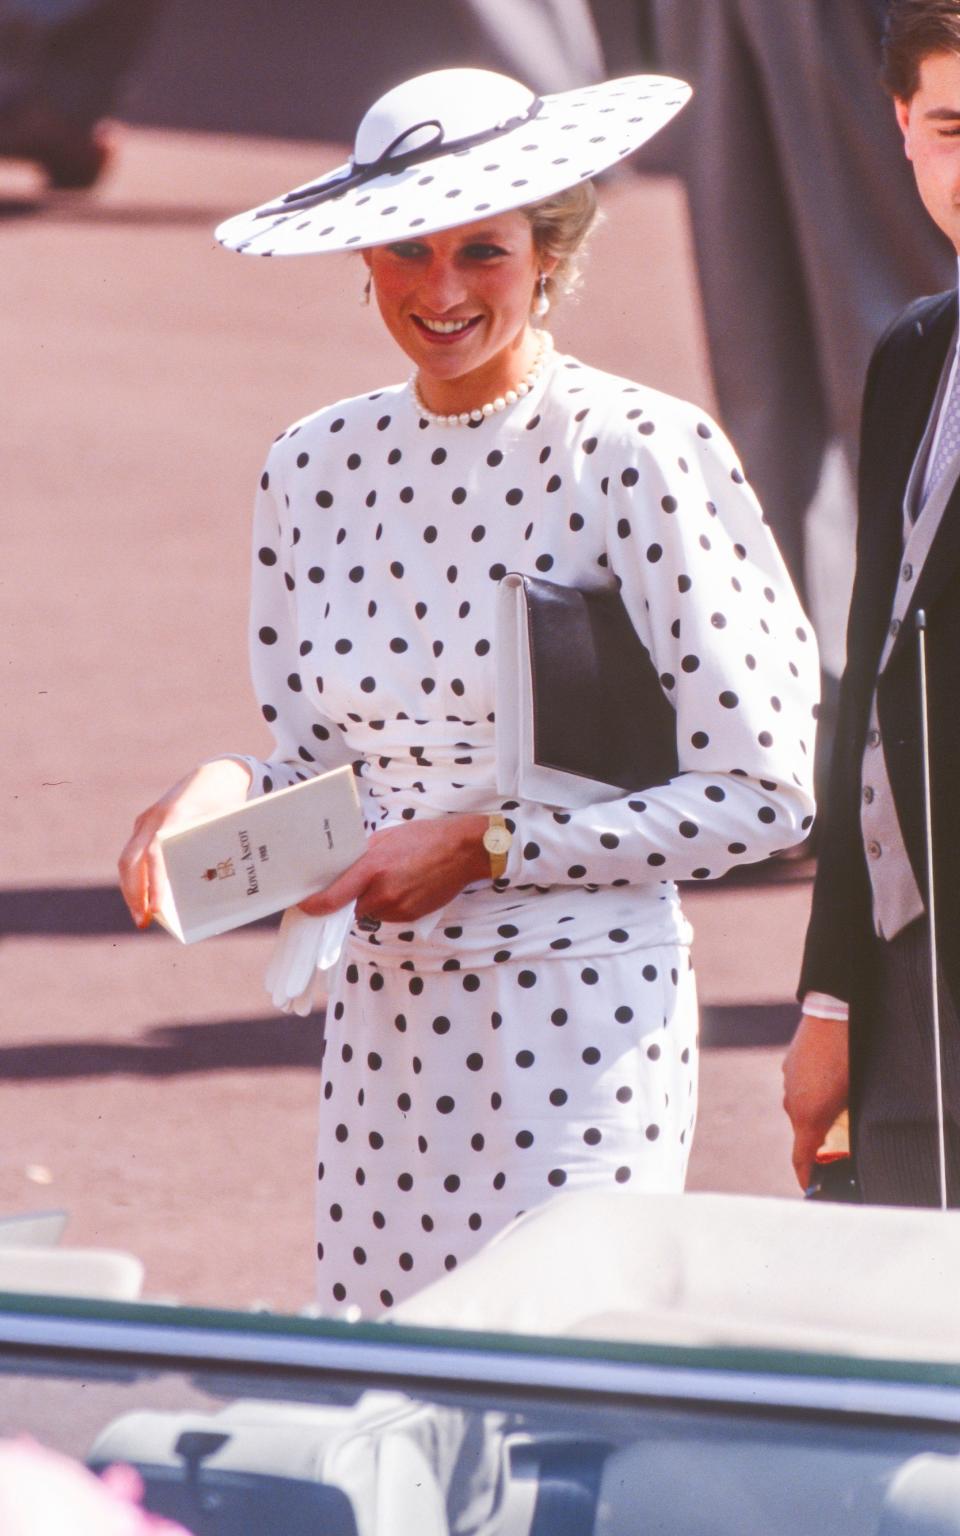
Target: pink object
x=45, y=1494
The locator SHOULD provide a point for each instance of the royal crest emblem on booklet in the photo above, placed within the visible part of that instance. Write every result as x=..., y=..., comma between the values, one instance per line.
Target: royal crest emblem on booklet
x=266, y=855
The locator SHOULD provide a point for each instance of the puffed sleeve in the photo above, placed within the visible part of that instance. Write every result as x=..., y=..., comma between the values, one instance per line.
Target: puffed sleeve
x=710, y=597
x=306, y=742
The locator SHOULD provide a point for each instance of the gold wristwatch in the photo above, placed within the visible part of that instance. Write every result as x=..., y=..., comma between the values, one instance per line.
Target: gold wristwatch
x=497, y=840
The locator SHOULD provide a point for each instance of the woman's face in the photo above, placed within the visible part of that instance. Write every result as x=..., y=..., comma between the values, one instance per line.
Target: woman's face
x=458, y=303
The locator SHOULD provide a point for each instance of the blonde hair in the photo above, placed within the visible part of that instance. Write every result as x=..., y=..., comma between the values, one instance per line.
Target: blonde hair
x=561, y=226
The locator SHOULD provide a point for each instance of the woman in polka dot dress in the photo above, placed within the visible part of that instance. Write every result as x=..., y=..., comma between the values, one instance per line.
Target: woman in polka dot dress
x=498, y=1033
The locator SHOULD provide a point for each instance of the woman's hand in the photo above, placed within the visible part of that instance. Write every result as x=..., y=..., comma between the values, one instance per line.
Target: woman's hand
x=209, y=790
x=410, y=870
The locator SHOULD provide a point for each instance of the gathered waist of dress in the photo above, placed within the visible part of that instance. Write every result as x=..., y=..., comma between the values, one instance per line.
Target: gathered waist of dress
x=428, y=767
x=486, y=926
x=411, y=769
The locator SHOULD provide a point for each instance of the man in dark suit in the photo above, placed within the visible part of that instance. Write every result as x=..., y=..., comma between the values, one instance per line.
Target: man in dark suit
x=868, y=944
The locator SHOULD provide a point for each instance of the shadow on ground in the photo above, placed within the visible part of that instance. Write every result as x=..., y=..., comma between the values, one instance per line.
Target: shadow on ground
x=172, y=1051
x=73, y=911
x=744, y=1024
x=279, y=1041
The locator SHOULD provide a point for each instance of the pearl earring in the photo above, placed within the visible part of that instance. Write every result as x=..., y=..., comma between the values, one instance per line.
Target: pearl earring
x=366, y=291
x=541, y=304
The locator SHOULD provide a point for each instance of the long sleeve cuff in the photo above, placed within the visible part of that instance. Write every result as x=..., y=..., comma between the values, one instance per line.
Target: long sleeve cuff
x=820, y=1005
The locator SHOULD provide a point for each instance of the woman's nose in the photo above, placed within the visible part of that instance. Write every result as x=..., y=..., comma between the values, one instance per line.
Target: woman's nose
x=443, y=286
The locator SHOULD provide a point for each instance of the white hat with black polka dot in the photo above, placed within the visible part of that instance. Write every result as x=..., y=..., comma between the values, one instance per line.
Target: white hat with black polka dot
x=448, y=147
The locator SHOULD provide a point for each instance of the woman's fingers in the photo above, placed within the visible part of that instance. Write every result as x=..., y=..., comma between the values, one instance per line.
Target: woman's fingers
x=133, y=876
x=216, y=786
x=410, y=870
x=346, y=888
x=155, y=879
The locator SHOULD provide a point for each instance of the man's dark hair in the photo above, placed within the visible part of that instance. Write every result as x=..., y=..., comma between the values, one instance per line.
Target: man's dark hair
x=913, y=30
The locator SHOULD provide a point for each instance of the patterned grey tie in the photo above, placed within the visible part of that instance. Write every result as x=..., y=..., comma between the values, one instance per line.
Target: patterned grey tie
x=949, y=444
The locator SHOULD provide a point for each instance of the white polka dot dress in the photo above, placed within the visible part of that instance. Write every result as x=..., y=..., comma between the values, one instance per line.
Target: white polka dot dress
x=537, y=1035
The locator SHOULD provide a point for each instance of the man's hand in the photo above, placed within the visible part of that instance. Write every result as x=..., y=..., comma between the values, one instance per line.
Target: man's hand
x=816, y=1085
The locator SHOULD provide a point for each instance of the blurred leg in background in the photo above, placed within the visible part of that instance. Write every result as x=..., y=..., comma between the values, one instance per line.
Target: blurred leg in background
x=552, y=45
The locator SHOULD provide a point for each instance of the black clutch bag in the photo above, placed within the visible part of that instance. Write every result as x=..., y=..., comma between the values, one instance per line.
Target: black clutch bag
x=581, y=715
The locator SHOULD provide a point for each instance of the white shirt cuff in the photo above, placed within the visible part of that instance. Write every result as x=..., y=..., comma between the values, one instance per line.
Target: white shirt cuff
x=820, y=1005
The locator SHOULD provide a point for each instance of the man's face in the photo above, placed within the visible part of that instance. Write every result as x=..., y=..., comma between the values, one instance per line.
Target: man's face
x=930, y=123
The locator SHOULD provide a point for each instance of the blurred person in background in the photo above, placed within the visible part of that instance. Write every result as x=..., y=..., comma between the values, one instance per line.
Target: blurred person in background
x=866, y=1038
x=61, y=66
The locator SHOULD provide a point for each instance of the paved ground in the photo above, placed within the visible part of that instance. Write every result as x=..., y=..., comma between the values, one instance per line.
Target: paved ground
x=146, y=1087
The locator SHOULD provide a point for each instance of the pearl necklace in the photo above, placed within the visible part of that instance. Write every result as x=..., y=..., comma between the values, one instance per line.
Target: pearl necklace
x=509, y=396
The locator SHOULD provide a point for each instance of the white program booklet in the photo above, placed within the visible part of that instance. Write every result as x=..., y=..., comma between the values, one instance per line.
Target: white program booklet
x=267, y=855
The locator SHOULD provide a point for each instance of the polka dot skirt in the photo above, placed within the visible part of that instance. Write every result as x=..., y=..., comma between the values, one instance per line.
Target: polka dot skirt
x=440, y=1124
x=379, y=541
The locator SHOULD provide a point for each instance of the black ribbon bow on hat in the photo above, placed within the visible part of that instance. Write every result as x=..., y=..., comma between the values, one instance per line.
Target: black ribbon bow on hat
x=390, y=164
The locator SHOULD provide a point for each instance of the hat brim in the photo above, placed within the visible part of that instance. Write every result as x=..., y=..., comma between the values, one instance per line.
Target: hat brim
x=575, y=135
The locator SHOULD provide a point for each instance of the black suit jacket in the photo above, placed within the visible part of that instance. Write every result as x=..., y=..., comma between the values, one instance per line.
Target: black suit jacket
x=900, y=390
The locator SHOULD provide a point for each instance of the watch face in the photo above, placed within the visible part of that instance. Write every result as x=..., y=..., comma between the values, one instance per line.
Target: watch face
x=497, y=840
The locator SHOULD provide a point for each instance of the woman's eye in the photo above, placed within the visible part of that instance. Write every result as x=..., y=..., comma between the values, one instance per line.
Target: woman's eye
x=483, y=252
x=407, y=250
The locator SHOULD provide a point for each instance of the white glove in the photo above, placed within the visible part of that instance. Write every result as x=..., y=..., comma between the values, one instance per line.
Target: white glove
x=304, y=945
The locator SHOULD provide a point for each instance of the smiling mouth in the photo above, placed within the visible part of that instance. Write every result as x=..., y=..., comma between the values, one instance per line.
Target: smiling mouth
x=445, y=328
